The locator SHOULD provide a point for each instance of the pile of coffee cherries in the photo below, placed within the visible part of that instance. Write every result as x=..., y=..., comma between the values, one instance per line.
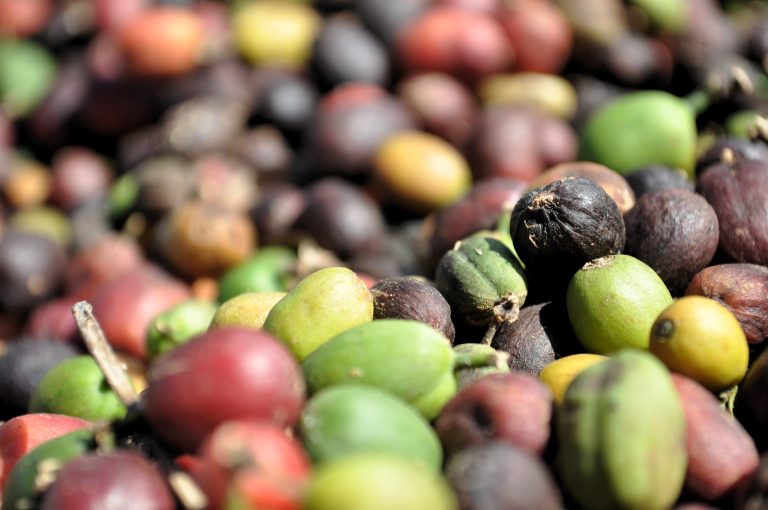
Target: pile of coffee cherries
x=383, y=254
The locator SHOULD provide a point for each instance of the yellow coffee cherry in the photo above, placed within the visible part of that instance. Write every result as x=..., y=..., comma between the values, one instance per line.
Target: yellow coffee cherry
x=700, y=338
x=275, y=33
x=247, y=310
x=421, y=172
x=559, y=374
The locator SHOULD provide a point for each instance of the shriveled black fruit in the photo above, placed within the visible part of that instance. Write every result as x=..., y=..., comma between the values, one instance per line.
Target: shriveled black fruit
x=24, y=363
x=541, y=333
x=731, y=150
x=410, y=298
x=657, y=178
x=611, y=181
x=482, y=281
x=500, y=476
x=31, y=269
x=737, y=193
x=342, y=218
x=675, y=232
x=562, y=226
x=743, y=289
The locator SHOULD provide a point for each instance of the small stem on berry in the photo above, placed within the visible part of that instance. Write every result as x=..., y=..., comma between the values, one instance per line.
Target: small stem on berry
x=728, y=398
x=497, y=359
x=698, y=101
x=489, y=334
x=99, y=347
x=188, y=492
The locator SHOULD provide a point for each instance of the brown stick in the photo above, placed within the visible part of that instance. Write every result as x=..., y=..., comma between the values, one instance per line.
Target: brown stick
x=189, y=494
x=99, y=347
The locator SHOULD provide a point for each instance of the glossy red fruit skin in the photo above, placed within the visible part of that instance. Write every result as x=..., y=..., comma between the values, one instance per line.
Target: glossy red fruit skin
x=126, y=305
x=465, y=43
x=540, y=34
x=224, y=374
x=121, y=479
x=21, y=434
x=257, y=460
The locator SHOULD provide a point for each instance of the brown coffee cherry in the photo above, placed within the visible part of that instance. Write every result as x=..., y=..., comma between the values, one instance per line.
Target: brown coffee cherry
x=350, y=124
x=540, y=334
x=341, y=218
x=513, y=408
x=742, y=288
x=203, y=239
x=675, y=232
x=729, y=150
x=414, y=299
x=657, y=178
x=497, y=475
x=737, y=194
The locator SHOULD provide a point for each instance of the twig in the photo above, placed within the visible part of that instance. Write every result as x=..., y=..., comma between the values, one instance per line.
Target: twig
x=100, y=349
x=489, y=334
x=185, y=488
